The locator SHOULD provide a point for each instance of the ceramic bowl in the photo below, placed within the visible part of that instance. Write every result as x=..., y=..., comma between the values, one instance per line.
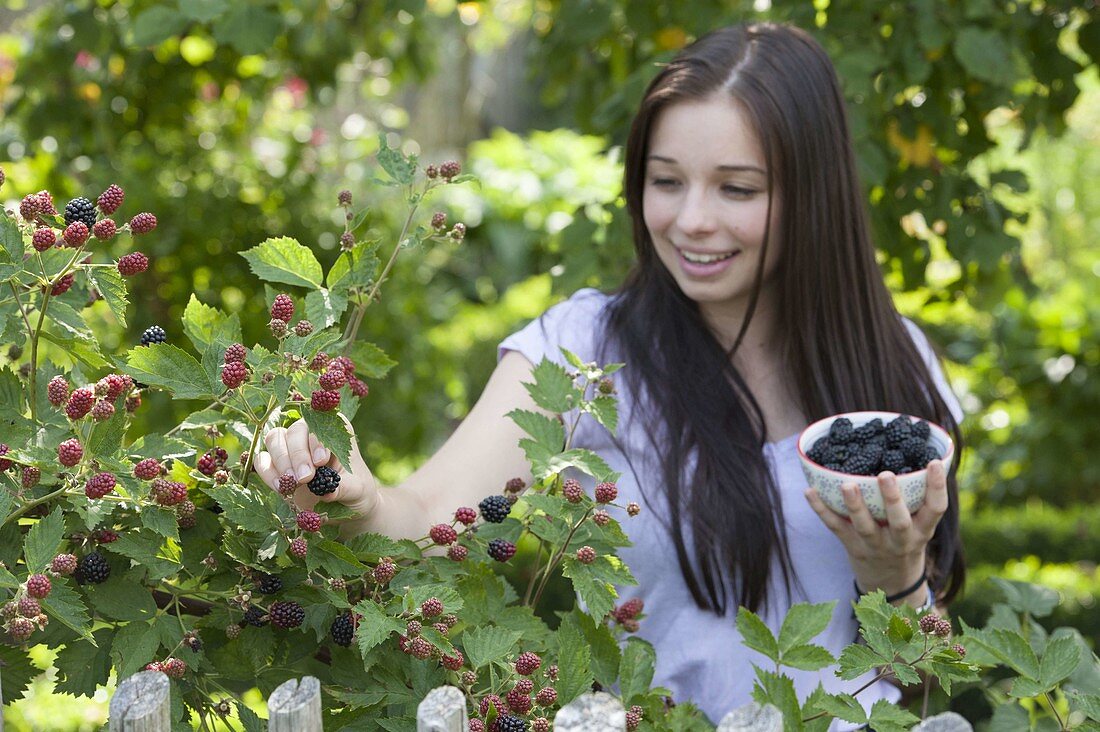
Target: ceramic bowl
x=827, y=482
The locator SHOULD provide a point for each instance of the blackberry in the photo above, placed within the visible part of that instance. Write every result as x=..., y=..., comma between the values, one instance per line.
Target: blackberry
x=62, y=285
x=235, y=353
x=342, y=630
x=325, y=481
x=857, y=464
x=80, y=209
x=606, y=492
x=512, y=723
x=270, y=584
x=31, y=476
x=841, y=431
x=132, y=263
x=324, y=400
x=308, y=521
x=501, y=550
x=286, y=614
x=143, y=223
x=153, y=334
x=836, y=454
x=465, y=515
x=921, y=429
x=586, y=555
x=254, y=616
x=43, y=239
x=893, y=460
x=864, y=433
x=834, y=466
x=930, y=454
x=92, y=568
x=873, y=452
x=282, y=308
x=913, y=449
x=110, y=199
x=105, y=229
x=819, y=450
x=897, y=431
x=527, y=663
x=38, y=586
x=443, y=534
x=495, y=509
x=69, y=452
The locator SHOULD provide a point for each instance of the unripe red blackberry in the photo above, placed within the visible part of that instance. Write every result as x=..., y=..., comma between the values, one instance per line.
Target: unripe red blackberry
x=99, y=485
x=358, y=388
x=319, y=362
x=518, y=702
x=385, y=571
x=501, y=550
x=449, y=169
x=928, y=623
x=443, y=534
x=457, y=552
x=551, y=672
x=441, y=628
x=5, y=464
x=143, y=223
x=943, y=628
x=147, y=469
x=236, y=353
x=287, y=484
x=540, y=724
x=303, y=328
x=282, y=308
x=286, y=614
x=491, y=700
x=333, y=378
x=347, y=241
x=586, y=555
x=298, y=547
x=458, y=231
x=466, y=515
x=439, y=220
x=21, y=628
x=30, y=477
x=168, y=492
x=546, y=697
x=43, y=238
x=527, y=663
x=63, y=564
x=431, y=172
x=959, y=650
x=116, y=385
x=132, y=264
x=420, y=648
x=185, y=508
x=469, y=678
x=109, y=201
x=105, y=536
x=75, y=234
x=606, y=492
x=453, y=663
x=633, y=509
x=629, y=610
x=601, y=518
x=234, y=374
x=206, y=464
x=413, y=628
x=633, y=719
x=324, y=401
x=104, y=230
x=133, y=402
x=572, y=490
x=431, y=607
x=63, y=285
x=28, y=607
x=103, y=410
x=38, y=586
x=344, y=198
x=57, y=391
x=308, y=521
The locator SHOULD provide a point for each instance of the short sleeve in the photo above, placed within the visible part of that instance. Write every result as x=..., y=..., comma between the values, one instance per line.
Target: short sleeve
x=932, y=361
x=573, y=324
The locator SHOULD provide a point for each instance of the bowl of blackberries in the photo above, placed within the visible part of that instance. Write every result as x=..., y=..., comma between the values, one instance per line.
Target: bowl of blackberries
x=856, y=446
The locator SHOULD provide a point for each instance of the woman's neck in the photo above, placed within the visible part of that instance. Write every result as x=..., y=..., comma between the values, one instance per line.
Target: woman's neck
x=759, y=342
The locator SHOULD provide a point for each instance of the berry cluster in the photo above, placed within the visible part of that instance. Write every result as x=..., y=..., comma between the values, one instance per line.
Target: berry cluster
x=902, y=446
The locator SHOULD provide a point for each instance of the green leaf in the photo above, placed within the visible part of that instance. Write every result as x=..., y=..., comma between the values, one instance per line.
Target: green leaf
x=203, y=11
x=205, y=325
x=110, y=284
x=12, y=242
x=134, y=645
x=374, y=626
x=636, y=668
x=107, y=436
x=552, y=390
x=803, y=622
x=399, y=167
x=985, y=55
x=1060, y=658
x=585, y=461
x=355, y=268
x=548, y=432
x=755, y=634
x=324, y=307
x=1010, y=717
x=331, y=431
x=808, y=657
x=778, y=690
x=251, y=29
x=1087, y=703
x=82, y=667
x=251, y=509
x=1011, y=649
x=1024, y=597
x=65, y=605
x=487, y=643
x=81, y=346
x=156, y=24
x=1025, y=688
x=606, y=412
x=162, y=521
x=371, y=362
x=598, y=595
x=18, y=671
x=337, y=559
x=899, y=631
x=42, y=540
x=856, y=660
x=165, y=365
x=120, y=598
x=286, y=261
x=574, y=662
x=842, y=706
x=888, y=717
x=250, y=720
x=372, y=545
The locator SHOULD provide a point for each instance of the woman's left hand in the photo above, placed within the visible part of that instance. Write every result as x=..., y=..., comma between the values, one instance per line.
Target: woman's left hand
x=889, y=557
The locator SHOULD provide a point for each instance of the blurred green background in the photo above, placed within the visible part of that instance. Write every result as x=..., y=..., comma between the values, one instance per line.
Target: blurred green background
x=977, y=125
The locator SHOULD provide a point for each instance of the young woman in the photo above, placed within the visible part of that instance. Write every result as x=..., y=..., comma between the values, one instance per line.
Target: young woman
x=754, y=308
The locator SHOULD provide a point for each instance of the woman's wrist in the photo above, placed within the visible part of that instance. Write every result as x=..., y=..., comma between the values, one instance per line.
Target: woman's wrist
x=910, y=587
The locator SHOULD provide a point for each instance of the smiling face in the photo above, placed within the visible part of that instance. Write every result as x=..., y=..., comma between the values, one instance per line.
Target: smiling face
x=705, y=203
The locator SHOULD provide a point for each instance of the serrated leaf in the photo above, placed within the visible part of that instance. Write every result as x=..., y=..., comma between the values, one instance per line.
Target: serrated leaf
x=1060, y=658
x=1011, y=649
x=82, y=667
x=1024, y=597
x=552, y=389
x=17, y=674
x=985, y=55
x=598, y=595
x=755, y=634
x=899, y=631
x=1087, y=703
x=65, y=605
x=1010, y=717
x=807, y=657
x=548, y=432
x=606, y=412
x=122, y=599
x=337, y=559
x=250, y=720
x=165, y=365
x=134, y=645
x=372, y=545
x=485, y=644
x=355, y=268
x=331, y=431
x=251, y=509
x=206, y=325
x=111, y=286
x=12, y=241
x=886, y=716
x=399, y=167
x=43, y=539
x=842, y=706
x=1025, y=688
x=804, y=622
x=574, y=662
x=107, y=436
x=286, y=261
x=81, y=346
x=374, y=626
x=636, y=668
x=370, y=361
x=584, y=460
x=778, y=690
x=856, y=660
x=324, y=307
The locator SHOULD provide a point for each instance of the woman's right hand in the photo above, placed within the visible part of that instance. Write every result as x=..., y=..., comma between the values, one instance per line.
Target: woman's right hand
x=295, y=450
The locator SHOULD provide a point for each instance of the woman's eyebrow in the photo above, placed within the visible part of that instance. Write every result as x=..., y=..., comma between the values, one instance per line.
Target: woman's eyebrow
x=724, y=168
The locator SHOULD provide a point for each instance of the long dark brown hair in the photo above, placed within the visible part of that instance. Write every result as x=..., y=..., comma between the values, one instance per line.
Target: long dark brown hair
x=841, y=338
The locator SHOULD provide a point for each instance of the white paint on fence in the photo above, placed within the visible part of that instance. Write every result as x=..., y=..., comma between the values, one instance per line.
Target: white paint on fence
x=295, y=706
x=142, y=703
x=598, y=712
x=442, y=710
x=752, y=718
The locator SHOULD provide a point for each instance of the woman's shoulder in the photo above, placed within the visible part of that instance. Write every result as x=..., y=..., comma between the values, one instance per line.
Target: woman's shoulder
x=575, y=323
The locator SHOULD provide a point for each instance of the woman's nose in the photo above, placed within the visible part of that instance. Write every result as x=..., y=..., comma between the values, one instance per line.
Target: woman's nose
x=696, y=217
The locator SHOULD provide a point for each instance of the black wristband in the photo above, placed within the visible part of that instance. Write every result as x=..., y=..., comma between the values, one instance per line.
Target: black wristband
x=899, y=595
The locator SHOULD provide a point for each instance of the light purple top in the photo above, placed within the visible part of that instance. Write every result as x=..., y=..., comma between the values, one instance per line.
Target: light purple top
x=700, y=656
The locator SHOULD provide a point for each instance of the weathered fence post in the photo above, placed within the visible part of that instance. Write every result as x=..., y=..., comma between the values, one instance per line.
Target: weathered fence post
x=442, y=710
x=752, y=718
x=142, y=703
x=598, y=712
x=295, y=706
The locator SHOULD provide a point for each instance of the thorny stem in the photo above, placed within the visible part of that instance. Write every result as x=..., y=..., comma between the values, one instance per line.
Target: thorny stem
x=1054, y=710
x=557, y=558
x=36, y=336
x=881, y=675
x=31, y=504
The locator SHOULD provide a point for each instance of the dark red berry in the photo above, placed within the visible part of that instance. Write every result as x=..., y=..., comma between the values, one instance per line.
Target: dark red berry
x=62, y=285
x=30, y=477
x=286, y=614
x=457, y=552
x=99, y=485
x=175, y=668
x=299, y=547
x=344, y=197
x=109, y=201
x=38, y=586
x=358, y=388
x=466, y=515
x=303, y=328
x=547, y=696
x=439, y=220
x=527, y=663
x=207, y=464
x=43, y=239
x=443, y=534
x=431, y=607
x=450, y=169
x=147, y=469
x=80, y=403
x=453, y=663
x=606, y=492
x=75, y=234
x=385, y=571
x=57, y=391
x=518, y=702
x=143, y=223
x=234, y=374
x=324, y=401
x=104, y=230
x=103, y=410
x=586, y=555
x=333, y=379
x=572, y=490
x=5, y=464
x=63, y=564
x=282, y=308
x=132, y=264
x=235, y=353
x=308, y=521
x=287, y=484
x=116, y=385
x=69, y=452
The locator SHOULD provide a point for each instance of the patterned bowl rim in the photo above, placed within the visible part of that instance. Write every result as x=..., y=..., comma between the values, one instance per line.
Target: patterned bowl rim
x=864, y=417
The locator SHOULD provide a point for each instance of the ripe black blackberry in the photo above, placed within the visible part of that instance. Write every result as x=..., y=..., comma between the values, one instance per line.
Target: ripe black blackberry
x=930, y=454
x=865, y=433
x=501, y=550
x=512, y=723
x=913, y=449
x=858, y=464
x=897, y=431
x=921, y=429
x=254, y=616
x=286, y=614
x=153, y=334
x=818, y=451
x=893, y=460
x=342, y=630
x=325, y=481
x=495, y=509
x=80, y=209
x=841, y=431
x=270, y=584
x=92, y=568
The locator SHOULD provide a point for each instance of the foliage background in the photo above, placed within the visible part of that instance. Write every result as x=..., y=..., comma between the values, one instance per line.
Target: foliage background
x=978, y=132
